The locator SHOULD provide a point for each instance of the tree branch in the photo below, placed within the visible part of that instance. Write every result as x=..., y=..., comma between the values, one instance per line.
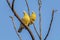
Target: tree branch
x=15, y=28
x=17, y=16
x=13, y=4
x=39, y=7
x=50, y=24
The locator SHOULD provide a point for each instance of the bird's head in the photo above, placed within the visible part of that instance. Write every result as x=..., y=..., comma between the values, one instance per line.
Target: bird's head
x=33, y=17
x=25, y=13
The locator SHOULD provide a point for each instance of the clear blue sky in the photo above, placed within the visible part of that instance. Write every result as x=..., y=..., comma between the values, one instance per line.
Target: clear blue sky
x=7, y=31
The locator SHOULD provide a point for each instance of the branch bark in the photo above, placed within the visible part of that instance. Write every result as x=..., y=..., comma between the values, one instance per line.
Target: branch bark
x=17, y=16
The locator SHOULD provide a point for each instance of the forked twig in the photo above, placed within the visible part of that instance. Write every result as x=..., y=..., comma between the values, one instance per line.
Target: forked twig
x=50, y=25
x=17, y=16
x=39, y=7
x=15, y=28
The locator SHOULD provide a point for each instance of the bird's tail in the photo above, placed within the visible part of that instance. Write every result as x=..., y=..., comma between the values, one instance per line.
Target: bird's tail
x=20, y=28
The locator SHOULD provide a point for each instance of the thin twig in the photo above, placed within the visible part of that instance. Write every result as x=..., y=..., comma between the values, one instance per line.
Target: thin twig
x=8, y=3
x=50, y=25
x=15, y=28
x=13, y=4
x=17, y=16
x=39, y=7
x=27, y=7
x=36, y=30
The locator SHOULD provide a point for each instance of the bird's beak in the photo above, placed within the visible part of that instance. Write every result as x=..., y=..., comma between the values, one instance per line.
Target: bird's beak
x=23, y=12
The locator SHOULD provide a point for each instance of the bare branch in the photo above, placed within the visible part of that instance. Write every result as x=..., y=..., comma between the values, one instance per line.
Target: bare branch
x=13, y=4
x=36, y=30
x=8, y=3
x=39, y=7
x=15, y=28
x=50, y=25
x=17, y=16
x=27, y=7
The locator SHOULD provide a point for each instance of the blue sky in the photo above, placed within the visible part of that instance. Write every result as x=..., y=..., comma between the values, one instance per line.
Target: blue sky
x=7, y=31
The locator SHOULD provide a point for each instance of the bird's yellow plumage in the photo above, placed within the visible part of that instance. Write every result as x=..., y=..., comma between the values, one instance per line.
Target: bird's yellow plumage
x=28, y=20
x=25, y=19
x=32, y=17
